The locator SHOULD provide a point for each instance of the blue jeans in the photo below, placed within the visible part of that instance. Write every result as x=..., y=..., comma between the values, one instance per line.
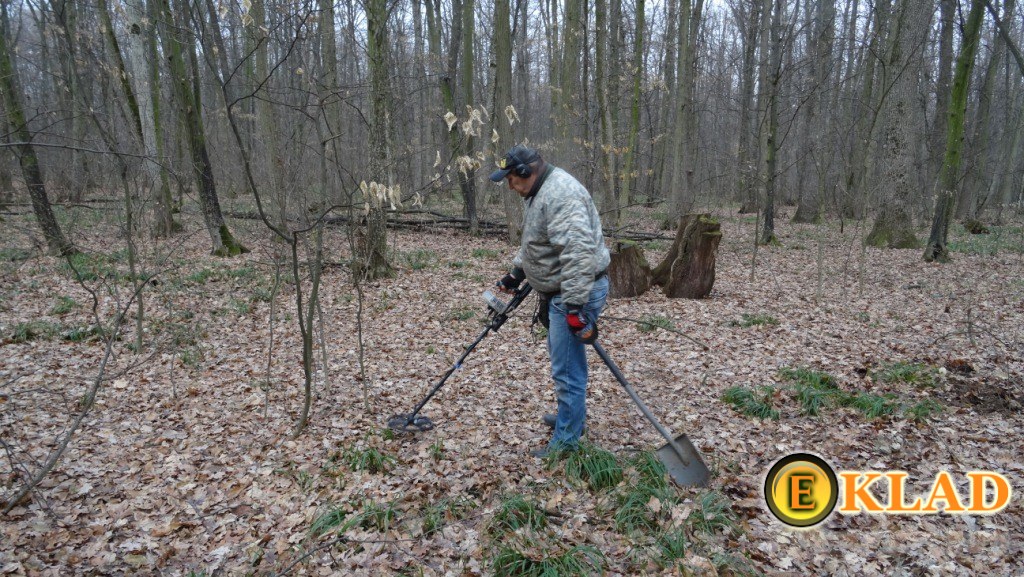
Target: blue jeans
x=569, y=368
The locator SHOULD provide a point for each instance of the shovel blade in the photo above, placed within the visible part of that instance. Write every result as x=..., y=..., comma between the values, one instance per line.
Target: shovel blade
x=693, y=474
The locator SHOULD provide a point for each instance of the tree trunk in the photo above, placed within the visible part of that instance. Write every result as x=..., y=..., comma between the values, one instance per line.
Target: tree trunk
x=629, y=171
x=629, y=275
x=140, y=48
x=569, y=106
x=770, y=137
x=608, y=186
x=822, y=22
x=56, y=242
x=944, y=75
x=468, y=182
x=936, y=249
x=980, y=170
x=502, y=117
x=186, y=88
x=893, y=227
x=863, y=119
x=746, y=167
x=688, y=270
x=373, y=247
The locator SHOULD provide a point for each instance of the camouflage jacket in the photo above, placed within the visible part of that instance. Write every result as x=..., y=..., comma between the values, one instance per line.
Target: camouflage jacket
x=562, y=248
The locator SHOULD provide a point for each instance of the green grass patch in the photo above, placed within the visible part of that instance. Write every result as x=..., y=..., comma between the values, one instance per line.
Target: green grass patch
x=755, y=403
x=516, y=512
x=712, y=513
x=1006, y=239
x=419, y=259
x=462, y=314
x=63, y=306
x=369, y=459
x=90, y=266
x=485, y=253
x=327, y=522
x=579, y=560
x=262, y=294
x=671, y=547
x=201, y=277
x=458, y=264
x=437, y=515
x=246, y=272
x=871, y=405
x=755, y=320
x=85, y=333
x=815, y=390
x=650, y=323
x=810, y=377
x=923, y=410
x=14, y=254
x=594, y=466
x=33, y=331
x=650, y=470
x=373, y=516
x=917, y=374
x=240, y=307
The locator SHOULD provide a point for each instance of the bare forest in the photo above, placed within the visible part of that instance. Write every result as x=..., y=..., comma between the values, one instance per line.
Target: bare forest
x=237, y=237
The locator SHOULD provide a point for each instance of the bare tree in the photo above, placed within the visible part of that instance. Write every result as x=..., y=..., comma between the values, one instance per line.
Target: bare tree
x=56, y=242
x=936, y=249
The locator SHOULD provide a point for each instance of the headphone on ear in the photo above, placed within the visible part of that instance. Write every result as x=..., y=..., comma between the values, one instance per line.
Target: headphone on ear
x=523, y=171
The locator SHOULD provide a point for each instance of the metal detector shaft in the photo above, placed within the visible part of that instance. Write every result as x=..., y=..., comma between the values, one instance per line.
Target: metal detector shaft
x=495, y=321
x=455, y=367
x=639, y=403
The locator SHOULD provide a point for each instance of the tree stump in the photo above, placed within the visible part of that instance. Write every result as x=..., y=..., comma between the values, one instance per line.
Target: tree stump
x=688, y=270
x=629, y=275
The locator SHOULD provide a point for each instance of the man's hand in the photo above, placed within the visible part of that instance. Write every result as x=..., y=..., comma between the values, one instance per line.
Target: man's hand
x=580, y=326
x=510, y=282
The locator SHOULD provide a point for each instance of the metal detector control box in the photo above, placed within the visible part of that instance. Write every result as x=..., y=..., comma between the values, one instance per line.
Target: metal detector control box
x=496, y=304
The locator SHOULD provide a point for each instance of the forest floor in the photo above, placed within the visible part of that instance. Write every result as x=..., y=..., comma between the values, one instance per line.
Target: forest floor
x=186, y=463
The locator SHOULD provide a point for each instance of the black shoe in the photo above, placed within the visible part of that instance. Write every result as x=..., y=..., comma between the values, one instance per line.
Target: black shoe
x=549, y=453
x=549, y=419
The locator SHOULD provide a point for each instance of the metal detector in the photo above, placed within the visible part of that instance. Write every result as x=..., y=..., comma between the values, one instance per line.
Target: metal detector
x=497, y=313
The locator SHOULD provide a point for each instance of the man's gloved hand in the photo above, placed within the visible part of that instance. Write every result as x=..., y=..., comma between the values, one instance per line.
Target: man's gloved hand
x=580, y=325
x=510, y=282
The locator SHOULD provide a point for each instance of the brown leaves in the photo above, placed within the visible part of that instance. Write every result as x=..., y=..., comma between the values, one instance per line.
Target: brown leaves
x=178, y=469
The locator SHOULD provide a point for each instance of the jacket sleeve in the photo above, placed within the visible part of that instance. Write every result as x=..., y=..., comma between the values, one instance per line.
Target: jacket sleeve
x=570, y=227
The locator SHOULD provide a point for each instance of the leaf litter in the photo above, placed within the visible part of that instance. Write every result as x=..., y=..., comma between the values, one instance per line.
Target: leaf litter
x=186, y=465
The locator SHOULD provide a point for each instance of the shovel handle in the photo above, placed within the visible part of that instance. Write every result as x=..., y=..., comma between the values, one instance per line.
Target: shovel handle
x=639, y=403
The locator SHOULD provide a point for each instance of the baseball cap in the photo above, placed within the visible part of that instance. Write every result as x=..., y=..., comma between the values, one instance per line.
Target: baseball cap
x=516, y=156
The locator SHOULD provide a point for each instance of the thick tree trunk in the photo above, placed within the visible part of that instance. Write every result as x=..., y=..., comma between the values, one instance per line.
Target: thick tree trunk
x=894, y=227
x=629, y=275
x=688, y=270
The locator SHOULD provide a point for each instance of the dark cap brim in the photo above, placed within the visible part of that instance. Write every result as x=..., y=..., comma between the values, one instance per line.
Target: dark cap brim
x=500, y=174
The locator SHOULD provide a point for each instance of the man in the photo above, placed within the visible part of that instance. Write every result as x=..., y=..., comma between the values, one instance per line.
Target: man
x=564, y=258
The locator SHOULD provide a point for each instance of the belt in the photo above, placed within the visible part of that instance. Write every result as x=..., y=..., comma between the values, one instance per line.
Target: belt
x=550, y=295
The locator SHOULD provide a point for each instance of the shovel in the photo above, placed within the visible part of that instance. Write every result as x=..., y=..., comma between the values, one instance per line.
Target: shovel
x=679, y=456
